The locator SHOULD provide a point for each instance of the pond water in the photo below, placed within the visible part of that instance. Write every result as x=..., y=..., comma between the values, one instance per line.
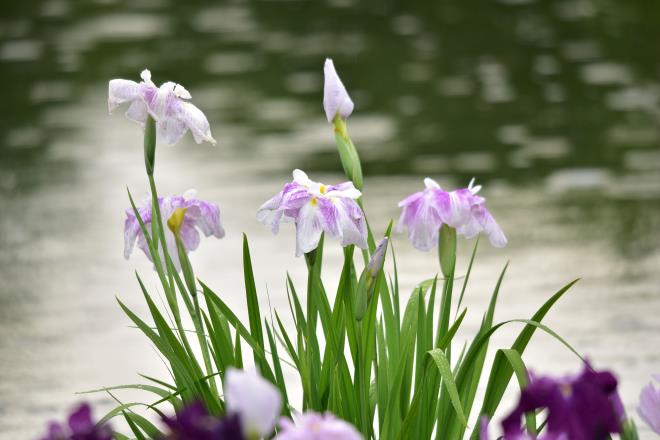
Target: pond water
x=553, y=106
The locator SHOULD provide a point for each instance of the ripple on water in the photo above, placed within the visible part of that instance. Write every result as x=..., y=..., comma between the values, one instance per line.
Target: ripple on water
x=227, y=63
x=225, y=20
x=118, y=27
x=455, y=86
x=606, y=73
x=577, y=179
x=495, y=85
x=21, y=50
x=638, y=97
x=624, y=135
x=581, y=50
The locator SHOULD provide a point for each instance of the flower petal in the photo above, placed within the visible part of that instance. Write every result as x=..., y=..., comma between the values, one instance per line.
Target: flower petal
x=196, y=121
x=308, y=229
x=254, y=399
x=121, y=91
x=170, y=130
x=335, y=97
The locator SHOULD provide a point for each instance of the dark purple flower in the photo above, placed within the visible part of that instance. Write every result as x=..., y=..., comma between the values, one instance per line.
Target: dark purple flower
x=194, y=423
x=80, y=426
x=585, y=407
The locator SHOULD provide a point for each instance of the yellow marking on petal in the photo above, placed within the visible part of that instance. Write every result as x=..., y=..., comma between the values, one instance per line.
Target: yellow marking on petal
x=176, y=220
x=322, y=189
x=313, y=201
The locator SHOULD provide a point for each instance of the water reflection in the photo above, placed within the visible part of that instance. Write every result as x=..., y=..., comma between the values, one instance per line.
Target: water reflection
x=554, y=106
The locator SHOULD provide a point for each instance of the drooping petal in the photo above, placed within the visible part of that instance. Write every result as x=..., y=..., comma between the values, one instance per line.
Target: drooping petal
x=308, y=229
x=208, y=220
x=254, y=399
x=649, y=407
x=121, y=91
x=196, y=121
x=335, y=97
x=137, y=112
x=352, y=224
x=422, y=218
x=170, y=130
x=491, y=228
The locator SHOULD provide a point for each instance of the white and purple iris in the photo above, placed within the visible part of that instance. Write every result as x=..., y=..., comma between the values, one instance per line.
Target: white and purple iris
x=335, y=97
x=166, y=104
x=424, y=212
x=315, y=426
x=199, y=216
x=649, y=405
x=315, y=208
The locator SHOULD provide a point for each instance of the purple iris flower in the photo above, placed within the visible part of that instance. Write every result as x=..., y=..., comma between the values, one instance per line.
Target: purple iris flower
x=649, y=405
x=193, y=422
x=315, y=208
x=199, y=216
x=167, y=104
x=335, y=97
x=315, y=426
x=80, y=426
x=424, y=212
x=585, y=407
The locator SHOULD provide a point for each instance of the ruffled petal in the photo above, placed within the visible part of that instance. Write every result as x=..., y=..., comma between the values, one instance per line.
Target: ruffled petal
x=352, y=224
x=308, y=229
x=196, y=121
x=189, y=235
x=492, y=229
x=335, y=97
x=209, y=218
x=329, y=215
x=137, y=112
x=170, y=130
x=121, y=91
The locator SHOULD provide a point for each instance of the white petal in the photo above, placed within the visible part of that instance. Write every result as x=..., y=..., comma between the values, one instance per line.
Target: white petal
x=300, y=177
x=196, y=121
x=137, y=112
x=335, y=97
x=474, y=189
x=181, y=92
x=190, y=194
x=170, y=130
x=308, y=229
x=254, y=399
x=430, y=183
x=121, y=91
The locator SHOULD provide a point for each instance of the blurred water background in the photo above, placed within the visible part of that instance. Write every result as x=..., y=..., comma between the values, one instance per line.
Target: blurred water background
x=552, y=105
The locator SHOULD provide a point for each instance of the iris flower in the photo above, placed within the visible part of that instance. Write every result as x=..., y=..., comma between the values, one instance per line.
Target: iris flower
x=168, y=105
x=649, y=405
x=584, y=407
x=199, y=216
x=315, y=208
x=315, y=426
x=254, y=400
x=80, y=425
x=424, y=212
x=193, y=422
x=335, y=97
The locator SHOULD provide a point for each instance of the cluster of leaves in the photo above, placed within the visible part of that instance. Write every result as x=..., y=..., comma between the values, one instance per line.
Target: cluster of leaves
x=394, y=372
